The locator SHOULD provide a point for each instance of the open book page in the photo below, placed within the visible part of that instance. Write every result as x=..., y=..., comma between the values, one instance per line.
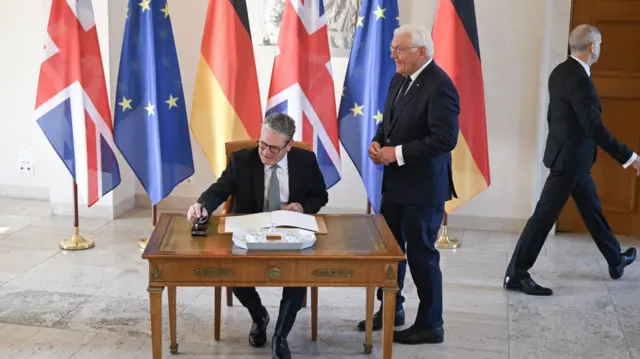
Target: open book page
x=248, y=221
x=278, y=218
x=295, y=219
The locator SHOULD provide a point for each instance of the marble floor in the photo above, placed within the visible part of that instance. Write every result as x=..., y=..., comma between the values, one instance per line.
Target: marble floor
x=94, y=304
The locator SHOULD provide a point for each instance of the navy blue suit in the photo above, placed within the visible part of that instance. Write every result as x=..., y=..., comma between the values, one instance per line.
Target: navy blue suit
x=575, y=131
x=424, y=120
x=244, y=179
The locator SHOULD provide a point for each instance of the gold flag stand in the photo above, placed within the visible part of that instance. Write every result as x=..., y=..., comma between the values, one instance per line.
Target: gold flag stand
x=142, y=242
x=76, y=242
x=444, y=241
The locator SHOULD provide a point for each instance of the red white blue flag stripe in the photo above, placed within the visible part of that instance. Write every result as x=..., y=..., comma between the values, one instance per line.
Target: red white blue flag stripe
x=72, y=104
x=302, y=83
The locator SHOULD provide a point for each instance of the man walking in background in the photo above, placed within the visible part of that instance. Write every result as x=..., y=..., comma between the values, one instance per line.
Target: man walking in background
x=575, y=131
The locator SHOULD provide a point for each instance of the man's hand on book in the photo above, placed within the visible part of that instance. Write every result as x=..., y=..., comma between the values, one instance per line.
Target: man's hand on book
x=295, y=207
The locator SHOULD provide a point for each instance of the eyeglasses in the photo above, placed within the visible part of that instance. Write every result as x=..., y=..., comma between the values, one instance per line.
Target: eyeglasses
x=274, y=149
x=398, y=49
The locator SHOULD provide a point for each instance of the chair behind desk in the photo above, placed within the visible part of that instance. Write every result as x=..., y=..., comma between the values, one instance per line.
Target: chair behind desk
x=231, y=147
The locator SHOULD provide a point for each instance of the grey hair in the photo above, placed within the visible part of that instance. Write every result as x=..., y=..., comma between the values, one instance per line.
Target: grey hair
x=582, y=36
x=281, y=123
x=420, y=37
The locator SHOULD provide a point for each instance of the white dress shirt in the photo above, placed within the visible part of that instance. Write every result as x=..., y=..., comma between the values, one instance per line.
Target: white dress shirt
x=283, y=180
x=588, y=70
x=413, y=76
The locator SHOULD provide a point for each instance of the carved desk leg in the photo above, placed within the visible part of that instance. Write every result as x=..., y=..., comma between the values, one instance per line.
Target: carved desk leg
x=217, y=314
x=173, y=348
x=155, y=306
x=388, y=316
x=368, y=334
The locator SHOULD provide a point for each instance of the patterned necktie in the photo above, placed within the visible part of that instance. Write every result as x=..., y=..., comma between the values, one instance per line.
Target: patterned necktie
x=405, y=86
x=273, y=195
x=403, y=89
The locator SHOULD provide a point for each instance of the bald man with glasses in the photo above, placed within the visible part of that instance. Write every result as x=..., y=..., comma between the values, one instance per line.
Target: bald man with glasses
x=274, y=175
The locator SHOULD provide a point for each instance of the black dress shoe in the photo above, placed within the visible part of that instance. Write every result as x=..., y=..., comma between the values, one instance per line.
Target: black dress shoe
x=627, y=257
x=527, y=286
x=258, y=333
x=377, y=321
x=280, y=348
x=415, y=335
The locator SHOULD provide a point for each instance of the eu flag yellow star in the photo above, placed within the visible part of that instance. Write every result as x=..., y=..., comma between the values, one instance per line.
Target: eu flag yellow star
x=379, y=13
x=360, y=21
x=172, y=101
x=165, y=10
x=125, y=104
x=150, y=109
x=378, y=117
x=144, y=4
x=357, y=110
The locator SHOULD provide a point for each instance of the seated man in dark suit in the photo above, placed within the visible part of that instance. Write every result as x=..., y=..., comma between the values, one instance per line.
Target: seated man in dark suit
x=272, y=176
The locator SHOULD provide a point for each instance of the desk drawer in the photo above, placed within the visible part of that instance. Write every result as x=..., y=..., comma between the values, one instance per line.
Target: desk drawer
x=256, y=272
x=207, y=271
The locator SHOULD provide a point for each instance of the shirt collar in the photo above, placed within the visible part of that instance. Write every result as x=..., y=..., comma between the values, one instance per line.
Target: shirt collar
x=585, y=66
x=417, y=73
x=284, y=164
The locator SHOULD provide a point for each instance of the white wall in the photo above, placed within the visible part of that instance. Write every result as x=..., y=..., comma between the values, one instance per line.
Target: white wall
x=520, y=41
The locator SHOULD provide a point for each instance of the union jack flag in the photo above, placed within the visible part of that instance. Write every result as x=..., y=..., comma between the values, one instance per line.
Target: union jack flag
x=302, y=83
x=72, y=106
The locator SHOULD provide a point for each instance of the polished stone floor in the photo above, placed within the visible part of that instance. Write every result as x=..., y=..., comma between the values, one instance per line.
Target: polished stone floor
x=93, y=304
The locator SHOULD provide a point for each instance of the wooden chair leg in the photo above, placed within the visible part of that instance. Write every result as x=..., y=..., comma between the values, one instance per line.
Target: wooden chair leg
x=229, y=297
x=314, y=313
x=217, y=309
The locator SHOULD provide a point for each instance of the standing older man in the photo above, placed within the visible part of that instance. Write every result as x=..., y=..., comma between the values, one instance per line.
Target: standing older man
x=271, y=176
x=575, y=131
x=414, y=142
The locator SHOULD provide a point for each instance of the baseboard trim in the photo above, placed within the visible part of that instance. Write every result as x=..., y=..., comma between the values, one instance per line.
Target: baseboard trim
x=482, y=223
x=97, y=211
x=169, y=204
x=32, y=192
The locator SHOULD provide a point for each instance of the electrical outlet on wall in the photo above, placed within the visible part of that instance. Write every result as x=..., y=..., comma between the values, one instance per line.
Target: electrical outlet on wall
x=26, y=166
x=25, y=160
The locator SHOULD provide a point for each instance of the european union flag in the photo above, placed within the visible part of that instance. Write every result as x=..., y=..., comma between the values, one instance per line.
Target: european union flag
x=365, y=89
x=150, y=121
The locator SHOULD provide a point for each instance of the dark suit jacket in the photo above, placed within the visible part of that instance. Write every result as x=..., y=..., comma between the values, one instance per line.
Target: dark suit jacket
x=575, y=125
x=425, y=123
x=244, y=179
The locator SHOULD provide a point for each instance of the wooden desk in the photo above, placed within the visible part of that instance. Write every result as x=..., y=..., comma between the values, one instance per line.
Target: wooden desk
x=358, y=251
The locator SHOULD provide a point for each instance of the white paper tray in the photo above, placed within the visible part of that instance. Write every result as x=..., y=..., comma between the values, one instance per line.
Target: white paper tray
x=247, y=240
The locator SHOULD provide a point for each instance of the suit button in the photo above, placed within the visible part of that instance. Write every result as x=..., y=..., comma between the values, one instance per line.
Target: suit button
x=388, y=140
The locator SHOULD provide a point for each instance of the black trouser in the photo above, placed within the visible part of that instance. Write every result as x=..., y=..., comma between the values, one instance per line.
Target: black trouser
x=415, y=228
x=556, y=192
x=292, y=298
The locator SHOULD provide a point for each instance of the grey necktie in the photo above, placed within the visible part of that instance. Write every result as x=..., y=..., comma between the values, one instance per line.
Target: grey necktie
x=273, y=195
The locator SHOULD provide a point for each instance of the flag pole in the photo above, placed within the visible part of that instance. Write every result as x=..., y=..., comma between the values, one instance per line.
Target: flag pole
x=76, y=242
x=143, y=241
x=444, y=241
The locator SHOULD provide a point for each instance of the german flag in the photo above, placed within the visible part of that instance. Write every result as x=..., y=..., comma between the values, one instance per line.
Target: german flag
x=226, y=100
x=455, y=38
